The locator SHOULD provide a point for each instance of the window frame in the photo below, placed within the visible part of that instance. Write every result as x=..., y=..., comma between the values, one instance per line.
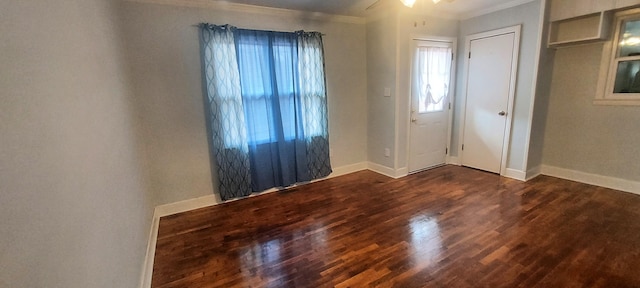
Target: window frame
x=610, y=62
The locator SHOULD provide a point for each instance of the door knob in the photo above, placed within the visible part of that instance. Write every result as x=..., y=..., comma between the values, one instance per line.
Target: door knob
x=414, y=120
x=502, y=113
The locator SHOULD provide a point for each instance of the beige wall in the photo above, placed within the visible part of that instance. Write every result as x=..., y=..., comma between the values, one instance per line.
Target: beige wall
x=74, y=208
x=543, y=90
x=381, y=74
x=582, y=136
x=164, y=56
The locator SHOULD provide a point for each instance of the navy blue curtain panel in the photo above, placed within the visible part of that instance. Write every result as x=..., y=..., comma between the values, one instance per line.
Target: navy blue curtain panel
x=267, y=96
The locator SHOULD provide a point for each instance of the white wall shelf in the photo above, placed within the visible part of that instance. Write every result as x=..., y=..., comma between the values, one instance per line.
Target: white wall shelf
x=580, y=30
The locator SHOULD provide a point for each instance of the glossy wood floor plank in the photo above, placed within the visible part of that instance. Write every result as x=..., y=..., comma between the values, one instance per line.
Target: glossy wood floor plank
x=446, y=227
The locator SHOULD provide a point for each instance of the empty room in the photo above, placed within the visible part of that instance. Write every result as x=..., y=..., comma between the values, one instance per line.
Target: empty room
x=337, y=143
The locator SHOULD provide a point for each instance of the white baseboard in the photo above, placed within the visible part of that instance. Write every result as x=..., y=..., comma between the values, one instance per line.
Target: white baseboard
x=348, y=169
x=515, y=174
x=401, y=172
x=206, y=201
x=186, y=205
x=453, y=160
x=534, y=172
x=147, y=268
x=166, y=210
x=381, y=169
x=593, y=179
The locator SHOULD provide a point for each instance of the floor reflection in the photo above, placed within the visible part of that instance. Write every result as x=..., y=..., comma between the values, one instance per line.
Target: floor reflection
x=426, y=240
x=263, y=262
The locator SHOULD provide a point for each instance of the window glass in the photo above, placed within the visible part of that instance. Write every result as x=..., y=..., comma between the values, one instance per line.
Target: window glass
x=267, y=81
x=622, y=84
x=434, y=69
x=627, y=77
x=629, y=39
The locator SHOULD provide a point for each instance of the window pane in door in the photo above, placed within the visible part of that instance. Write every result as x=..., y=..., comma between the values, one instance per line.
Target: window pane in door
x=434, y=72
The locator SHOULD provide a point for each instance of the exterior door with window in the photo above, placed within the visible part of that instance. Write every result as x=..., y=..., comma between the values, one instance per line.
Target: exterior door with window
x=430, y=90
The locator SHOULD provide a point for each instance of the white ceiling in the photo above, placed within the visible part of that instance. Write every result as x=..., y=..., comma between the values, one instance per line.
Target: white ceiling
x=459, y=8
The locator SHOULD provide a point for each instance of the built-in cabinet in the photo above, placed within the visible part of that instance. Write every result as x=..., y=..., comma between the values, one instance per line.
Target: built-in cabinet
x=565, y=9
x=579, y=30
x=582, y=21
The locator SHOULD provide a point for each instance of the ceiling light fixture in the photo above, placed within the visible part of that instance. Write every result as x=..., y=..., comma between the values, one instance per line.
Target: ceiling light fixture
x=408, y=3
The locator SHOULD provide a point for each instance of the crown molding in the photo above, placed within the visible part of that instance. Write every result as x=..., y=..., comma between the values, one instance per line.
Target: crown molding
x=385, y=9
x=244, y=8
x=428, y=13
x=382, y=7
x=496, y=8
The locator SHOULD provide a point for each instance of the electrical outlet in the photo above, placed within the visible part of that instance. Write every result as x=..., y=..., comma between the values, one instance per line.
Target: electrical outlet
x=387, y=152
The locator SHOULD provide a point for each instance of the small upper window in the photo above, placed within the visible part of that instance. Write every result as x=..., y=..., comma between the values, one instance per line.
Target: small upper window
x=623, y=79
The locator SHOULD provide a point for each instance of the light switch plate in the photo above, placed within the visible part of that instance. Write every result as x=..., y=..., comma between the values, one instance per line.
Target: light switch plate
x=387, y=92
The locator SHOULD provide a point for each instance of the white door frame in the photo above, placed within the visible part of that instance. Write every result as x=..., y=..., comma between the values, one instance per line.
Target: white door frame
x=452, y=88
x=512, y=89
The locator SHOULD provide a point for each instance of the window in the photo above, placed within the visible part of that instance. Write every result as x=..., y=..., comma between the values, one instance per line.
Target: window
x=434, y=72
x=623, y=73
x=267, y=110
x=265, y=63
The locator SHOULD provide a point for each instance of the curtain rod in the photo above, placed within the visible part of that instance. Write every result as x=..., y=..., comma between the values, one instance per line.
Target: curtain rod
x=198, y=26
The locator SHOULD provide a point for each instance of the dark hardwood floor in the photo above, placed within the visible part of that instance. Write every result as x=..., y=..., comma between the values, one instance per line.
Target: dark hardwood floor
x=447, y=227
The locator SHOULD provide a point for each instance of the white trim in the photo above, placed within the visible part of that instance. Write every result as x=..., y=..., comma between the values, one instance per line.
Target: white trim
x=416, y=11
x=452, y=88
x=506, y=145
x=186, y=205
x=210, y=200
x=615, y=59
x=515, y=174
x=534, y=83
x=608, y=60
x=381, y=169
x=614, y=102
x=147, y=268
x=453, y=160
x=166, y=210
x=592, y=179
x=401, y=172
x=396, y=101
x=378, y=12
x=516, y=30
x=388, y=171
x=348, y=169
x=534, y=172
x=496, y=8
x=206, y=201
x=244, y=8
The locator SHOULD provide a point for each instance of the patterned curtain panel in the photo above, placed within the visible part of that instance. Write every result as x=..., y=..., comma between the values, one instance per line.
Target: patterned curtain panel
x=268, y=107
x=228, y=136
x=313, y=96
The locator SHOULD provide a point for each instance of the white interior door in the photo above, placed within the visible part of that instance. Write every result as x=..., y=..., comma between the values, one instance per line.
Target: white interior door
x=488, y=88
x=430, y=90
